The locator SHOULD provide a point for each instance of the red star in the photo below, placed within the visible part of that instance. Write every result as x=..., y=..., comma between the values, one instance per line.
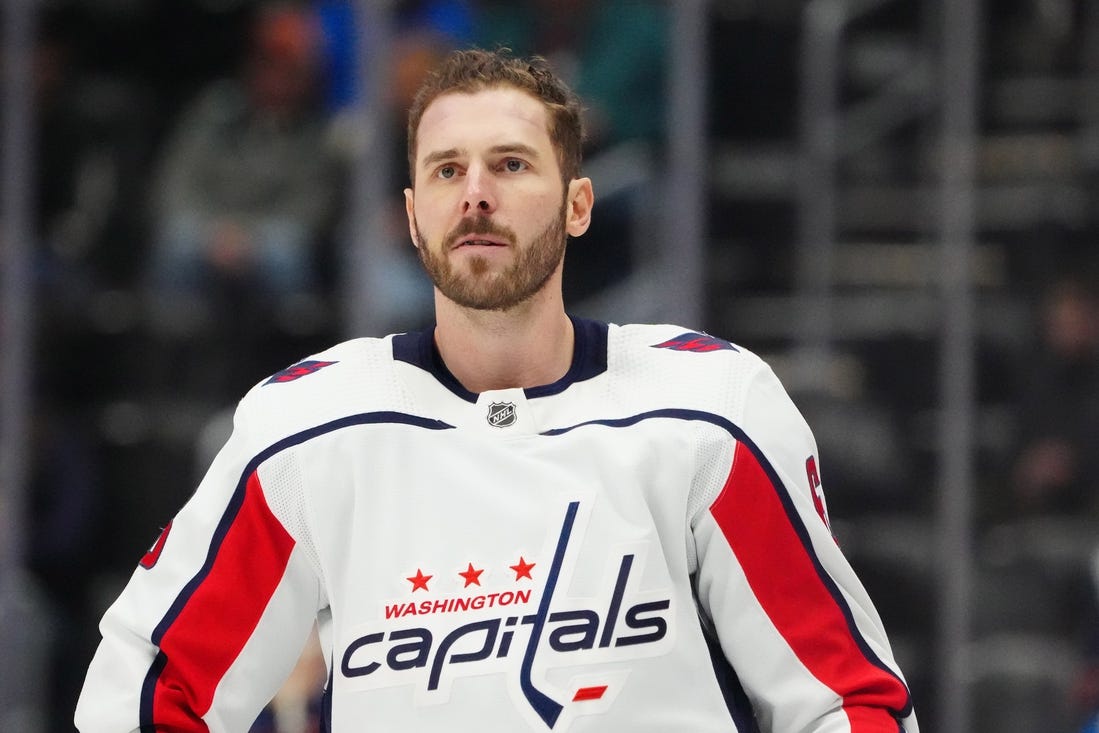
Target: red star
x=522, y=570
x=473, y=577
x=419, y=580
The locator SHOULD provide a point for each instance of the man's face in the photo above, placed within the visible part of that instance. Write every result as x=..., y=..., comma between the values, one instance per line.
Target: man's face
x=488, y=212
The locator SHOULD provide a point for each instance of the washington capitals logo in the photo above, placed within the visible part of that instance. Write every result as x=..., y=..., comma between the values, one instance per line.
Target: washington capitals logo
x=697, y=342
x=515, y=631
x=297, y=371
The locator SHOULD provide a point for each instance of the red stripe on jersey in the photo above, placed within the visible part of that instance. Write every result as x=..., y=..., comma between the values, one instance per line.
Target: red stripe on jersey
x=785, y=579
x=221, y=614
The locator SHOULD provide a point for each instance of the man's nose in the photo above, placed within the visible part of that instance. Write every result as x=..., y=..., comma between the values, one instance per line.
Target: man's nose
x=479, y=197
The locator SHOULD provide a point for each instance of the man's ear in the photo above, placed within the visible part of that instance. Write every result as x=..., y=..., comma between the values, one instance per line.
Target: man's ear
x=579, y=202
x=410, y=210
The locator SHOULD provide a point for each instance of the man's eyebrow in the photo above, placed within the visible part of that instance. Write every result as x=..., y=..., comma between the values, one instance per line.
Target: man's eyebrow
x=438, y=156
x=521, y=148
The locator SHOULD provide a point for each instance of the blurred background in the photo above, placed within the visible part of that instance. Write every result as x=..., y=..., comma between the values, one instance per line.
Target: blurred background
x=893, y=201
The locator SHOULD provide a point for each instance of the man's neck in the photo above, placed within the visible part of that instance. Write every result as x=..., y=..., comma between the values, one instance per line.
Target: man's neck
x=528, y=346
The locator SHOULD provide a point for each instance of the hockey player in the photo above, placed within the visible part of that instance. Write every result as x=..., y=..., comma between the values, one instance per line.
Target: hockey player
x=517, y=520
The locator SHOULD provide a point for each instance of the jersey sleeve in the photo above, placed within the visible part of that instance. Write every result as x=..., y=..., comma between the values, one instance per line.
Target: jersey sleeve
x=215, y=615
x=789, y=614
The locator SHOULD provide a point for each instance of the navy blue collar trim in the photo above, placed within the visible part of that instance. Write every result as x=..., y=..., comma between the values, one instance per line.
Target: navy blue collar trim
x=589, y=358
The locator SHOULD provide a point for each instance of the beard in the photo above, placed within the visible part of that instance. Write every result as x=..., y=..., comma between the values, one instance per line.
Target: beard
x=483, y=289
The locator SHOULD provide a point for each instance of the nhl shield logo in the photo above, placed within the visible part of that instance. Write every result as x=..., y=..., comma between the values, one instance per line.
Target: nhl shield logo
x=501, y=414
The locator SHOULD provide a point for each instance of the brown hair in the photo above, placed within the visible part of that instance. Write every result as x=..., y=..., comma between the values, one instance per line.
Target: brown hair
x=473, y=70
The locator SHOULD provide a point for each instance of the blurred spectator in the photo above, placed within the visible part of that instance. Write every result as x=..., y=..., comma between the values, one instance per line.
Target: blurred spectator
x=613, y=53
x=423, y=30
x=92, y=135
x=1055, y=461
x=248, y=190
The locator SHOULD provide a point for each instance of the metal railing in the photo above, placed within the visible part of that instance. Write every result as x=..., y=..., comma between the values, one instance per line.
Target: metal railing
x=829, y=131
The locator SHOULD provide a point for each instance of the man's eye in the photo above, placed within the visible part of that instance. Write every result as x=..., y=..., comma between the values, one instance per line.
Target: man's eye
x=447, y=171
x=514, y=165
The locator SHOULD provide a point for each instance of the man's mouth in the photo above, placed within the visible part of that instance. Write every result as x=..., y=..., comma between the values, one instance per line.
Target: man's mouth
x=478, y=242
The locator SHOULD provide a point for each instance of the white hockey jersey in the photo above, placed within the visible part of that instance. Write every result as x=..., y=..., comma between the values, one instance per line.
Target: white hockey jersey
x=640, y=546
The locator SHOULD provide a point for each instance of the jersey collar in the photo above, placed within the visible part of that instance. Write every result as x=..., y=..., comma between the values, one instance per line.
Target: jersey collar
x=589, y=358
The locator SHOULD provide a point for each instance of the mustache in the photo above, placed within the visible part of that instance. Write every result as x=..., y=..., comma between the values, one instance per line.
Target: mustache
x=478, y=225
